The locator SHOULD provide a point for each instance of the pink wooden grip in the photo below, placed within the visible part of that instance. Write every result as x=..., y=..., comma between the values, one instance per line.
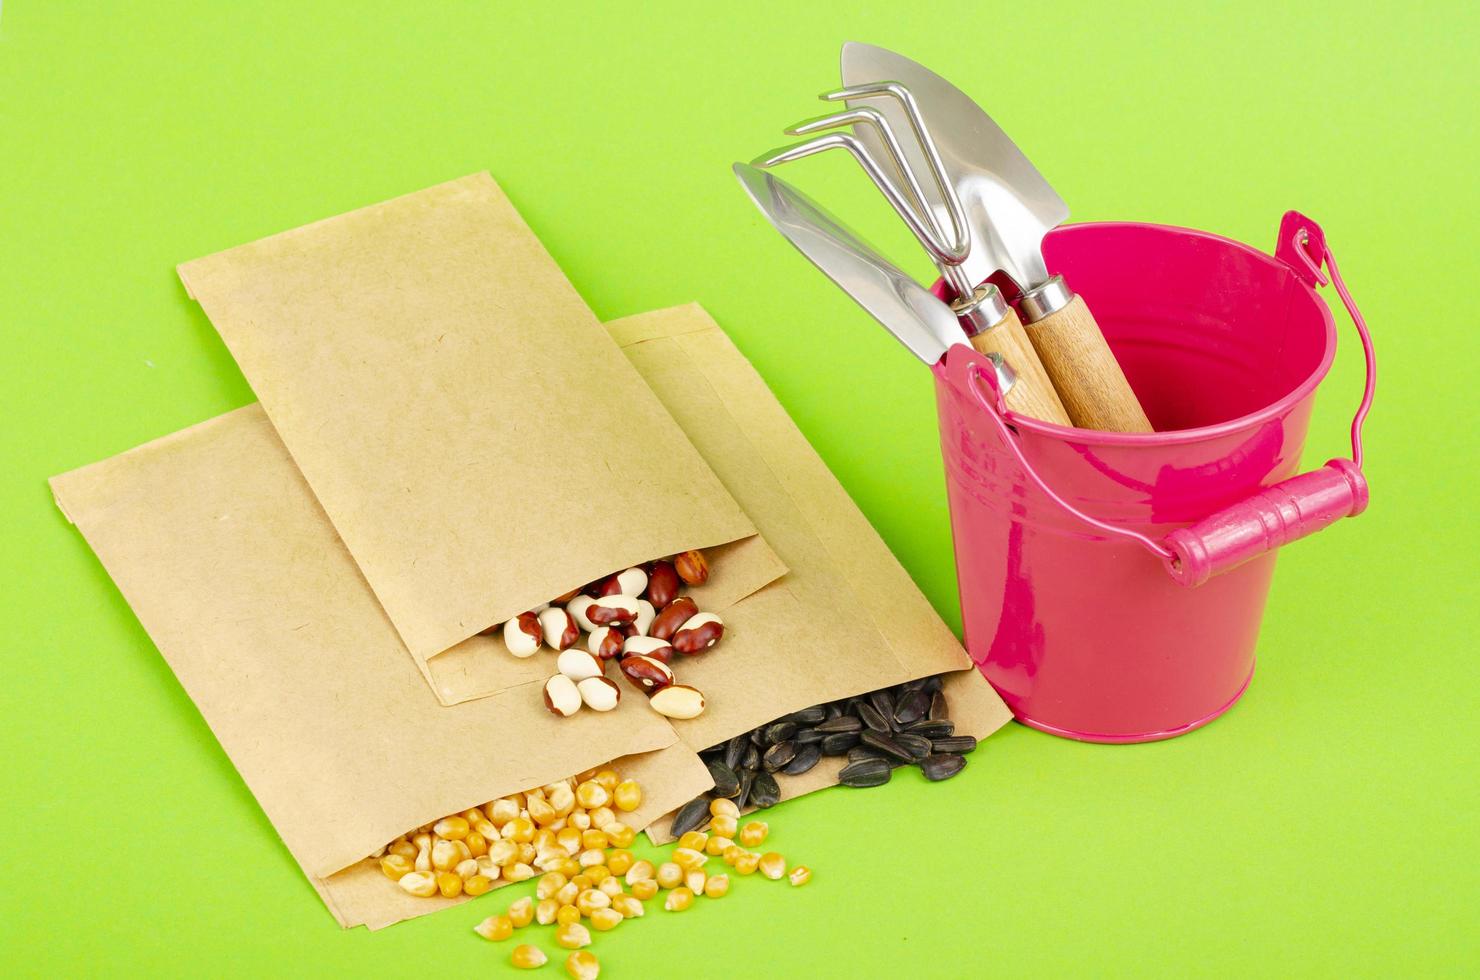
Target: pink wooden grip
x=1285, y=512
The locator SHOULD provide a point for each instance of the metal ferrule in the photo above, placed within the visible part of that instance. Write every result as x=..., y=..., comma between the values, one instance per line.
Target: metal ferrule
x=1006, y=376
x=1043, y=300
x=984, y=310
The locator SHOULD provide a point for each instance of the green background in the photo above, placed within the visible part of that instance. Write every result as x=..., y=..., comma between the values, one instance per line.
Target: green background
x=1326, y=826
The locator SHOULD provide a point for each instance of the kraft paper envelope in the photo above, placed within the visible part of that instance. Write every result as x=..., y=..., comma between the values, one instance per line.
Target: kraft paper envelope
x=846, y=618
x=473, y=433
x=234, y=570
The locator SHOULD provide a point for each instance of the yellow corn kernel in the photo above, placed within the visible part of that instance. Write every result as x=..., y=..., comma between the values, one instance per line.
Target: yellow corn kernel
x=503, y=852
x=746, y=863
x=477, y=844
x=582, y=965
x=544, y=912
x=723, y=808
x=477, y=885
x=551, y=859
x=542, y=812
x=591, y=899
x=717, y=887
x=527, y=853
x=557, y=824
x=466, y=869
x=591, y=857
x=518, y=872
x=471, y=815
x=732, y=854
x=544, y=837
x=611, y=884
x=422, y=884
x=723, y=827
x=800, y=875
x=602, y=816
x=573, y=935
x=444, y=855
x=404, y=848
x=629, y=906
x=694, y=840
x=449, y=883
x=451, y=828
x=562, y=799
x=605, y=920
x=583, y=881
x=608, y=779
x=495, y=928
x=527, y=957
x=598, y=873
x=570, y=839
x=620, y=861
x=424, y=858
x=772, y=865
x=592, y=794
x=641, y=871
x=594, y=838
x=520, y=830
x=567, y=914
x=753, y=834
x=644, y=889
x=688, y=858
x=549, y=884
x=694, y=880
x=718, y=846
x=579, y=819
x=627, y=796
x=396, y=866
x=678, y=899
x=487, y=868
x=669, y=875
x=566, y=893
x=619, y=834
x=521, y=912
x=501, y=811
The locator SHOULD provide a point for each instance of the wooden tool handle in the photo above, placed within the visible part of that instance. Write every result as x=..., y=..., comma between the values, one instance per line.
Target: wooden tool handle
x=1086, y=374
x=1033, y=393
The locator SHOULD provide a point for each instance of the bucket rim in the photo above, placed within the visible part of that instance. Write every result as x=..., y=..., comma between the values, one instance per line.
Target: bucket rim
x=1279, y=407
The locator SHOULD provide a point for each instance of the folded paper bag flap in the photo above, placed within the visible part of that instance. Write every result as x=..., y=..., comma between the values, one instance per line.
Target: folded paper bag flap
x=232, y=567
x=474, y=434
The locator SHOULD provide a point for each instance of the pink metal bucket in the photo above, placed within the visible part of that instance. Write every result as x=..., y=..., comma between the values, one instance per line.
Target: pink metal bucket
x=1112, y=584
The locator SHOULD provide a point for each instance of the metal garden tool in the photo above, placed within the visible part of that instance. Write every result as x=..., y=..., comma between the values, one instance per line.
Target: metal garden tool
x=1008, y=208
x=991, y=324
x=915, y=316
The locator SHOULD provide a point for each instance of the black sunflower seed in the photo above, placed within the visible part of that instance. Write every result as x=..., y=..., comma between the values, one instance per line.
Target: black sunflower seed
x=807, y=756
x=932, y=729
x=939, y=709
x=752, y=759
x=779, y=731
x=871, y=717
x=691, y=816
x=918, y=746
x=809, y=716
x=867, y=772
x=726, y=783
x=884, y=702
x=861, y=752
x=938, y=767
x=837, y=743
x=912, y=707
x=758, y=736
x=747, y=782
x=954, y=744
x=887, y=746
x=735, y=751
x=842, y=723
x=933, y=684
x=766, y=792
x=833, y=710
x=808, y=736
x=778, y=755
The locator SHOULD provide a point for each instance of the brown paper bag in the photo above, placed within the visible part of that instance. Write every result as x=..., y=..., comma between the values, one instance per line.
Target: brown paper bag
x=232, y=567
x=472, y=432
x=846, y=618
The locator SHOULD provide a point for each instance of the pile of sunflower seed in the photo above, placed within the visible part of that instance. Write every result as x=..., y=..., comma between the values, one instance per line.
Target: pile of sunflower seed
x=907, y=724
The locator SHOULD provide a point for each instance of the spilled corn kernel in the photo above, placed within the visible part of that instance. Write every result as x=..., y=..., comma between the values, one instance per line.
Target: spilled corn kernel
x=800, y=875
x=527, y=957
x=582, y=965
x=678, y=899
x=495, y=928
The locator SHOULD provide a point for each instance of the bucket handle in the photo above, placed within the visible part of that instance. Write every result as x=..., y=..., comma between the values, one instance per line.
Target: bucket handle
x=1275, y=516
